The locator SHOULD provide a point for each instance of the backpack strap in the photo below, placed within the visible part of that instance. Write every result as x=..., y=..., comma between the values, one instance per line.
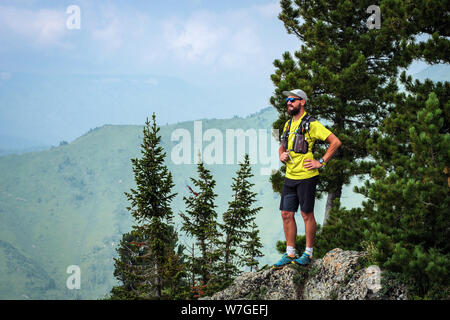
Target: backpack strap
x=289, y=126
x=304, y=125
x=307, y=120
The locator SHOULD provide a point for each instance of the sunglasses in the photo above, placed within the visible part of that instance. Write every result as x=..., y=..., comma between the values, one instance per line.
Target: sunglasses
x=292, y=99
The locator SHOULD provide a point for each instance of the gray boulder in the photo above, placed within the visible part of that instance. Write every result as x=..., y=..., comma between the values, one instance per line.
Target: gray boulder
x=263, y=285
x=339, y=275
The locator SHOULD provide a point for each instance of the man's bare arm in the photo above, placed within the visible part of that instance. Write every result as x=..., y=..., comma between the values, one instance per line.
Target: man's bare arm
x=335, y=143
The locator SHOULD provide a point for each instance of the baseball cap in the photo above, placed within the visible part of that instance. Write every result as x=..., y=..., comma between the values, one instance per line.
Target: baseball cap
x=296, y=92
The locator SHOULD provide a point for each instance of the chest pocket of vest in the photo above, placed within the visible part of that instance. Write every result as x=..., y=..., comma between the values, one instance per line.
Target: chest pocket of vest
x=300, y=144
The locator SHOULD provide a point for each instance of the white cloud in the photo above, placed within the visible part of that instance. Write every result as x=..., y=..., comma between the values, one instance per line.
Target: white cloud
x=42, y=27
x=109, y=31
x=126, y=33
x=122, y=37
x=196, y=40
x=228, y=39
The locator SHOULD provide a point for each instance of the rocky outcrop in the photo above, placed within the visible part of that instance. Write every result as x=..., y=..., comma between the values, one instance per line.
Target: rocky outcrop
x=263, y=285
x=339, y=275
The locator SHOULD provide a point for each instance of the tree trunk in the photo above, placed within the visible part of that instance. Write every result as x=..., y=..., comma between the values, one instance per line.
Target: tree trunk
x=158, y=282
x=193, y=263
x=330, y=199
x=339, y=123
x=158, y=288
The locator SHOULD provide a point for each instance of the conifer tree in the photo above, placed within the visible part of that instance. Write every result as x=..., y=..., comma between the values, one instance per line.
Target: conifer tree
x=347, y=70
x=408, y=200
x=427, y=19
x=251, y=248
x=404, y=222
x=240, y=233
x=409, y=227
x=200, y=223
x=128, y=267
x=150, y=207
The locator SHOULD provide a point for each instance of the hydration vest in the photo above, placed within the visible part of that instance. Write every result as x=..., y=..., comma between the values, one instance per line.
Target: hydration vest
x=300, y=144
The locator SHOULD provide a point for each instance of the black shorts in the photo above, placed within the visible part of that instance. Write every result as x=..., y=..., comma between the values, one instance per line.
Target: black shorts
x=299, y=192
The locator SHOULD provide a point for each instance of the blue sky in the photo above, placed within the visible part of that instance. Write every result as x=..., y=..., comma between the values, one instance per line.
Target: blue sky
x=184, y=60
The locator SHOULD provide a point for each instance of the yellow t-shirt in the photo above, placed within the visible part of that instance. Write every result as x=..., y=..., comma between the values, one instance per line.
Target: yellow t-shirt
x=316, y=131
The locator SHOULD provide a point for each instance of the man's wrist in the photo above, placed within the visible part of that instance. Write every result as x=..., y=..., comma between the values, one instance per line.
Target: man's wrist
x=322, y=162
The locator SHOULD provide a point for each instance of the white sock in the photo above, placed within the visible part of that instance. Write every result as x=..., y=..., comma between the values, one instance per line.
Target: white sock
x=290, y=251
x=309, y=251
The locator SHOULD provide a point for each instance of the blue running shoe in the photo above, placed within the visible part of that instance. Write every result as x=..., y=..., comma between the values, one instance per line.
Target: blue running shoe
x=304, y=260
x=285, y=260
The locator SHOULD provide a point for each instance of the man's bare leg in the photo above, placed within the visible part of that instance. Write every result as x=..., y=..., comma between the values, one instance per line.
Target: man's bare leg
x=310, y=228
x=290, y=232
x=290, y=227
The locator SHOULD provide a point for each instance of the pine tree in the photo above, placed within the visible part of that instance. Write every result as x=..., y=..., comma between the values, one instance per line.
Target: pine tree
x=347, y=71
x=404, y=223
x=200, y=223
x=421, y=17
x=409, y=197
x=142, y=264
x=239, y=229
x=409, y=226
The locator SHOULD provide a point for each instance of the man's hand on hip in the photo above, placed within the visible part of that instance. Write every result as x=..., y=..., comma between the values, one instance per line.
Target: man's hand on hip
x=310, y=164
x=284, y=156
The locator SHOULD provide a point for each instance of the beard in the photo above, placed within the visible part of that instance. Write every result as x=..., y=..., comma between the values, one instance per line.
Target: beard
x=294, y=111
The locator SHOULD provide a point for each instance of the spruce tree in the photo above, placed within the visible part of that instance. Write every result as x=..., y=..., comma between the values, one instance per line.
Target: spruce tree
x=241, y=242
x=251, y=248
x=200, y=223
x=128, y=268
x=150, y=207
x=347, y=70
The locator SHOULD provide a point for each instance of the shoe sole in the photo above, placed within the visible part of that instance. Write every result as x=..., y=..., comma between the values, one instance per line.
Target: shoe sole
x=300, y=264
x=281, y=267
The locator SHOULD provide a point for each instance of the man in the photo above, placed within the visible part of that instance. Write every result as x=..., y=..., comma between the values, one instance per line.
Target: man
x=302, y=176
